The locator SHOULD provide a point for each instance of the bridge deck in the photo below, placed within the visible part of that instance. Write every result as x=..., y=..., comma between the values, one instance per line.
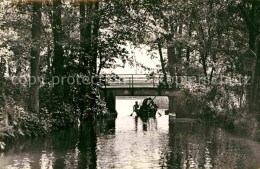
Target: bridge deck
x=132, y=80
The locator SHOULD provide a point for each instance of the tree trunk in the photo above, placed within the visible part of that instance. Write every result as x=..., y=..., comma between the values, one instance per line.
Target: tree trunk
x=188, y=55
x=249, y=20
x=180, y=45
x=188, y=47
x=35, y=58
x=2, y=72
x=58, y=58
x=171, y=54
x=82, y=57
x=49, y=72
x=88, y=52
x=253, y=80
x=85, y=37
x=255, y=88
x=163, y=66
x=204, y=64
x=95, y=39
x=93, y=65
x=86, y=57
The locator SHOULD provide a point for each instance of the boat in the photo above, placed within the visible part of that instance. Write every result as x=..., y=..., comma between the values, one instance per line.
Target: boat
x=147, y=109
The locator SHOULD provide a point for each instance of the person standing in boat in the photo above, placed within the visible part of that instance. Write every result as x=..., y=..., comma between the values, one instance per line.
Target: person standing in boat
x=136, y=107
x=146, y=102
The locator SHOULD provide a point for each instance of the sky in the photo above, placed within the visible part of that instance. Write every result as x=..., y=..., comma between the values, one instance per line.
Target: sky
x=142, y=56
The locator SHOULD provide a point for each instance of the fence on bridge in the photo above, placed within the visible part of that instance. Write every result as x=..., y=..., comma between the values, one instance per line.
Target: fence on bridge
x=132, y=80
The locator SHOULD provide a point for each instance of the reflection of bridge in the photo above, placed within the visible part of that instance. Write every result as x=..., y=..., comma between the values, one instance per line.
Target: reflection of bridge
x=136, y=85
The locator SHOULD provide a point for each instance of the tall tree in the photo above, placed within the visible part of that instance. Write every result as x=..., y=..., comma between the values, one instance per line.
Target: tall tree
x=58, y=58
x=250, y=12
x=95, y=36
x=35, y=57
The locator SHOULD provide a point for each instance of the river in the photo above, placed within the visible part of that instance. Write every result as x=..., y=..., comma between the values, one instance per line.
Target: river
x=129, y=142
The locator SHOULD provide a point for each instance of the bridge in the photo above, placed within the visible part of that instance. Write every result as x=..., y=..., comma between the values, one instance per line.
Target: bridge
x=137, y=85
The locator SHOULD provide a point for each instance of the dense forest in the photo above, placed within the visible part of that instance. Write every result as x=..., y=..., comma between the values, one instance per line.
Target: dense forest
x=45, y=42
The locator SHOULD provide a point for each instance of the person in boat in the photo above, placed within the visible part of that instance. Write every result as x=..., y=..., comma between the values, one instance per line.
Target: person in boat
x=155, y=107
x=147, y=101
x=149, y=105
x=146, y=105
x=136, y=107
x=150, y=102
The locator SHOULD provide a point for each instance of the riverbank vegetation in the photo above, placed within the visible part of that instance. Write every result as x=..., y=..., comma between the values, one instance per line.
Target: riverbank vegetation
x=44, y=44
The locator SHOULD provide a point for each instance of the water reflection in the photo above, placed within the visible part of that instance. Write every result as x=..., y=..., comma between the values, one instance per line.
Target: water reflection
x=196, y=145
x=147, y=123
x=87, y=147
x=131, y=142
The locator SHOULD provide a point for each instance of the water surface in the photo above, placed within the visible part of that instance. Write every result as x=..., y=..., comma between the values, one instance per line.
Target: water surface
x=130, y=142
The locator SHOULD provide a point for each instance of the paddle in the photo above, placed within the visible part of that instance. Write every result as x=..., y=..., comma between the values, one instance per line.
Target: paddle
x=132, y=113
x=152, y=100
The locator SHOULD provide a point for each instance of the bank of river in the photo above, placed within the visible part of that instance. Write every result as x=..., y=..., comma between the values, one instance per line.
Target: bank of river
x=129, y=142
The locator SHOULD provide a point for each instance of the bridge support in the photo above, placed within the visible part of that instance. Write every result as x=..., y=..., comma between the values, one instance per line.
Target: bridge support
x=111, y=103
x=172, y=105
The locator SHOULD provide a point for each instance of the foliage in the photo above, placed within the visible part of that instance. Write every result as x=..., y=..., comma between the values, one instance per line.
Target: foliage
x=220, y=105
x=16, y=119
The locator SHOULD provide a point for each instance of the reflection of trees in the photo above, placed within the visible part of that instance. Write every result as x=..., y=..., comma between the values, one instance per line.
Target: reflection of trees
x=106, y=126
x=87, y=157
x=87, y=141
x=200, y=146
x=189, y=144
x=174, y=158
x=106, y=143
x=61, y=142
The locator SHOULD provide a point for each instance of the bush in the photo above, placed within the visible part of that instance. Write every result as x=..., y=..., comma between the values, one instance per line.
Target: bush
x=220, y=104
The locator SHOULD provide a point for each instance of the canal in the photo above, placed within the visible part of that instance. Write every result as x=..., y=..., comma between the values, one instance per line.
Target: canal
x=129, y=142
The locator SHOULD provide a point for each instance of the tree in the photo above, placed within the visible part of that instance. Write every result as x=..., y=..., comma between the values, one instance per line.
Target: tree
x=35, y=57
x=250, y=12
x=58, y=58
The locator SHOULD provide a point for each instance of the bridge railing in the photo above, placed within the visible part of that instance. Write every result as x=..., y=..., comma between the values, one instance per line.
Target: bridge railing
x=132, y=80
